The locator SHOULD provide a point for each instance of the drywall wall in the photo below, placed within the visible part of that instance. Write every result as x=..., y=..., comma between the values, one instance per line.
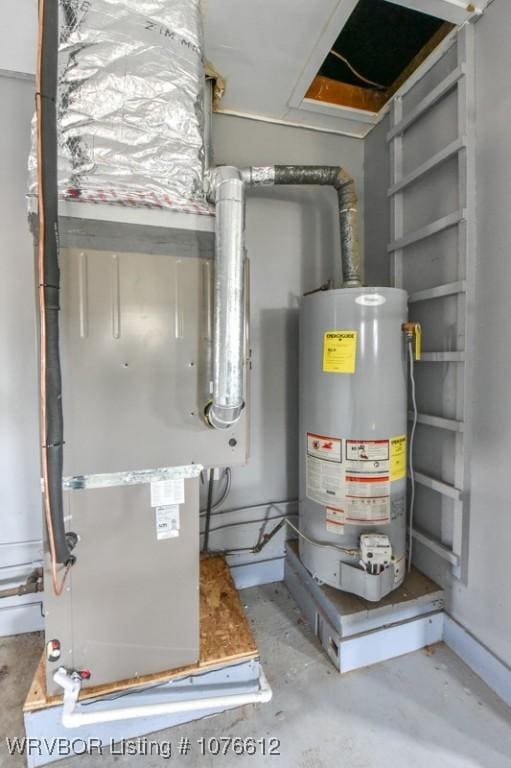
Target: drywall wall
x=376, y=205
x=480, y=601
x=20, y=516
x=17, y=34
x=293, y=244
x=484, y=605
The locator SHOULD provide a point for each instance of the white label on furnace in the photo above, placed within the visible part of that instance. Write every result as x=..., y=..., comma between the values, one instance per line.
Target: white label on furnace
x=335, y=520
x=167, y=522
x=367, y=456
x=165, y=492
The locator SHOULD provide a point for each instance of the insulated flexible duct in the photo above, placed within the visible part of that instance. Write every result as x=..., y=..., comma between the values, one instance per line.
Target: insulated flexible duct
x=49, y=284
x=344, y=184
x=130, y=103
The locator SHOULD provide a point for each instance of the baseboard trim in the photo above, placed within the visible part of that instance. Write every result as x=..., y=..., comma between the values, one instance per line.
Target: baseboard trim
x=495, y=673
x=256, y=574
x=389, y=642
x=20, y=617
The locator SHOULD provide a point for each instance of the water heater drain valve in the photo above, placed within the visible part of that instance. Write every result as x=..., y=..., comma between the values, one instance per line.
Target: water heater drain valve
x=375, y=552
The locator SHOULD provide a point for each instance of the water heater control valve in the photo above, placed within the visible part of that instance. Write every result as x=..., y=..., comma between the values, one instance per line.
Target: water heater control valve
x=375, y=552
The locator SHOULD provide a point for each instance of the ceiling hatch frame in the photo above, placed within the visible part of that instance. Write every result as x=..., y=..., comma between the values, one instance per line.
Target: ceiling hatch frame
x=456, y=12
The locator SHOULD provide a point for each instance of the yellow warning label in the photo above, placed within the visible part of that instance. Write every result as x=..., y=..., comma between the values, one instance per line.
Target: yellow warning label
x=339, y=351
x=397, y=457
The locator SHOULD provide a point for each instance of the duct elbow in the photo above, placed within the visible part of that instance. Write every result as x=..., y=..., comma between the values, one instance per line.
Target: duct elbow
x=349, y=229
x=217, y=181
x=323, y=175
x=219, y=417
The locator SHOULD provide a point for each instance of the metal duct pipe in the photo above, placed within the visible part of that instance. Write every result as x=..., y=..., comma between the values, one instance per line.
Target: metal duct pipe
x=324, y=175
x=227, y=191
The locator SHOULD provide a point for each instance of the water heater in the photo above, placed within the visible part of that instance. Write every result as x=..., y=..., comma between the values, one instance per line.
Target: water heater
x=353, y=420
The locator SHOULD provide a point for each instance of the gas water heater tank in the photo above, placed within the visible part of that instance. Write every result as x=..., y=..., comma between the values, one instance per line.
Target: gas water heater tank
x=353, y=420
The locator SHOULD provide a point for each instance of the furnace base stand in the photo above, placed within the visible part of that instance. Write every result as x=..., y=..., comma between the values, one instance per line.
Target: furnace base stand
x=227, y=675
x=355, y=633
x=45, y=725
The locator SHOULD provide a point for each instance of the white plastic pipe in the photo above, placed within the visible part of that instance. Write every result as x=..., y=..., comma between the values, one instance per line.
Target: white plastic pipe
x=73, y=719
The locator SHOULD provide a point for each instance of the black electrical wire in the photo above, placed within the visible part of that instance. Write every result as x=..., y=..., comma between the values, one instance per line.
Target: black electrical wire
x=249, y=522
x=134, y=691
x=266, y=505
x=209, y=508
x=265, y=538
x=223, y=495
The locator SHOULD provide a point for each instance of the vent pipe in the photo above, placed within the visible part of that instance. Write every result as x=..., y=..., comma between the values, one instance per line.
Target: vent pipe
x=226, y=189
x=322, y=175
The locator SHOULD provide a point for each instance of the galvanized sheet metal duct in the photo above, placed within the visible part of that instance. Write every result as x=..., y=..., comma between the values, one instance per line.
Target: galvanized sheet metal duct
x=227, y=190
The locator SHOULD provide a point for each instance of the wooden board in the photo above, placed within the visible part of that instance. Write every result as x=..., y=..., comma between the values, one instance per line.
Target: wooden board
x=331, y=91
x=225, y=638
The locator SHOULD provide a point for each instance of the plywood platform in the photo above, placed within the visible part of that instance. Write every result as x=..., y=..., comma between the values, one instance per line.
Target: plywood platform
x=225, y=638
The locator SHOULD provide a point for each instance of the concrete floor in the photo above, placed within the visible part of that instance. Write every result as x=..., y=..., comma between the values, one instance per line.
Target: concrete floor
x=424, y=710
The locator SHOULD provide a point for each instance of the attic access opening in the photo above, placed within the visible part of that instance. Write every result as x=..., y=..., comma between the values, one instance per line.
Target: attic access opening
x=379, y=47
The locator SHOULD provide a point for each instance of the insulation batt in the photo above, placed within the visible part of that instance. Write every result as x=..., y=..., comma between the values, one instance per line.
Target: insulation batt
x=130, y=102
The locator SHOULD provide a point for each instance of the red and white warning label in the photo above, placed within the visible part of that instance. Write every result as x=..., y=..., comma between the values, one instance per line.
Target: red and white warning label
x=367, y=456
x=371, y=487
x=353, y=484
x=367, y=512
x=335, y=520
x=324, y=470
x=367, y=499
x=321, y=447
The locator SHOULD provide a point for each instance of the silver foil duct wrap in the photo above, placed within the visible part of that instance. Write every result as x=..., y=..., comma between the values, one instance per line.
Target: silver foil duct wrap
x=130, y=103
